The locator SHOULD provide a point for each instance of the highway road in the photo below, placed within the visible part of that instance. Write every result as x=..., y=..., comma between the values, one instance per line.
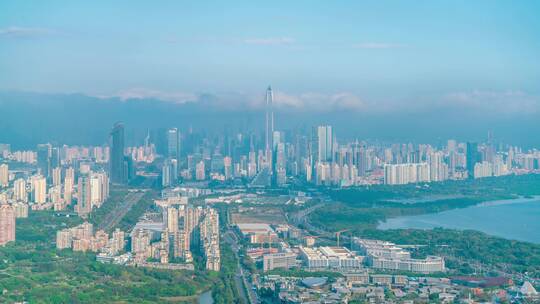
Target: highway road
x=115, y=216
x=245, y=289
x=302, y=218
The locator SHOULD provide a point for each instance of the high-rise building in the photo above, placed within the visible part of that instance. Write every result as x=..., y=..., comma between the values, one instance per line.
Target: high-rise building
x=19, y=190
x=472, y=157
x=172, y=219
x=56, y=176
x=166, y=171
x=39, y=189
x=227, y=167
x=117, y=241
x=483, y=169
x=68, y=189
x=140, y=241
x=44, y=159
x=7, y=224
x=84, y=196
x=325, y=143
x=118, y=170
x=173, y=144
x=437, y=168
x=99, y=186
x=4, y=175
x=54, y=161
x=70, y=173
x=200, y=171
x=269, y=119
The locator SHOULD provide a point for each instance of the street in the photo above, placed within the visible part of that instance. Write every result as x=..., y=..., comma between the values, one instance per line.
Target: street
x=115, y=216
x=245, y=289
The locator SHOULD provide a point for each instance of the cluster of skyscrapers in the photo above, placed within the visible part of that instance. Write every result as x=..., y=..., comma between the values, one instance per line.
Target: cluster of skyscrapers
x=183, y=227
x=319, y=158
x=58, y=187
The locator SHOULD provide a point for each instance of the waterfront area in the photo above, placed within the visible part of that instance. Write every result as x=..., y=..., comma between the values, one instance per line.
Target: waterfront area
x=515, y=219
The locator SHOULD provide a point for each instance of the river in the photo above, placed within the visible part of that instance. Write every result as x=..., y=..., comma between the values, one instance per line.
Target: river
x=517, y=219
x=206, y=298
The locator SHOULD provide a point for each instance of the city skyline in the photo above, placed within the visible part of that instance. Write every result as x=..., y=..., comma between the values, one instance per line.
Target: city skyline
x=242, y=152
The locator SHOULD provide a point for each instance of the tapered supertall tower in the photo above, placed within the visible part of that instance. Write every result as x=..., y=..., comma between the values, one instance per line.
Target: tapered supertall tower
x=269, y=118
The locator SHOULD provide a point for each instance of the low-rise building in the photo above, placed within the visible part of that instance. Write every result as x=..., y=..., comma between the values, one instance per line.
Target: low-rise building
x=430, y=264
x=331, y=257
x=279, y=260
x=389, y=256
x=381, y=279
x=258, y=233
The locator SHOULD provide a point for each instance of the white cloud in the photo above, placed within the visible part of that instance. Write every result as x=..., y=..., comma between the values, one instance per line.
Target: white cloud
x=270, y=41
x=240, y=100
x=493, y=101
x=15, y=31
x=143, y=93
x=319, y=101
x=378, y=45
x=488, y=102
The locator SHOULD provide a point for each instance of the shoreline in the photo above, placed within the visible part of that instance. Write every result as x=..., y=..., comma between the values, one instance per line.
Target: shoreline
x=470, y=218
x=518, y=200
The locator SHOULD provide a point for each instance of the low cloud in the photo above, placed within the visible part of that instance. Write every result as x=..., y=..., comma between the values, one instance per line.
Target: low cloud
x=487, y=102
x=509, y=101
x=144, y=93
x=320, y=102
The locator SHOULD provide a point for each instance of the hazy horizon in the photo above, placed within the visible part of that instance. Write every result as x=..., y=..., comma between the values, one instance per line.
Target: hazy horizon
x=420, y=72
x=368, y=56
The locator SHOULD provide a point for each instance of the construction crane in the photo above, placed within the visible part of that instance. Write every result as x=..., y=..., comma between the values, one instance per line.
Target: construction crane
x=338, y=234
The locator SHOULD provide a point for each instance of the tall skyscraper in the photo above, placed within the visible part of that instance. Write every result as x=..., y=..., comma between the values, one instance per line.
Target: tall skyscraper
x=269, y=118
x=118, y=172
x=471, y=157
x=173, y=143
x=7, y=224
x=44, y=159
x=325, y=143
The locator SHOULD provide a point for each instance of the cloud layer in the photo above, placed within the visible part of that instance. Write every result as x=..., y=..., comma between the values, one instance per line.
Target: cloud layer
x=477, y=101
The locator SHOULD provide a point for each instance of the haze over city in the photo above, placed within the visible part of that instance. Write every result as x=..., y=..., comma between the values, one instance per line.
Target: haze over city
x=270, y=152
x=423, y=66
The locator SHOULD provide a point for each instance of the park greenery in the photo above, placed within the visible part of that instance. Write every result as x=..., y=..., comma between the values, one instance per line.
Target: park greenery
x=361, y=209
x=467, y=251
x=33, y=270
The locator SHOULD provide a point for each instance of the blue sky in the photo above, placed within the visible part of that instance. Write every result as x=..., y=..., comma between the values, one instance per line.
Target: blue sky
x=376, y=53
